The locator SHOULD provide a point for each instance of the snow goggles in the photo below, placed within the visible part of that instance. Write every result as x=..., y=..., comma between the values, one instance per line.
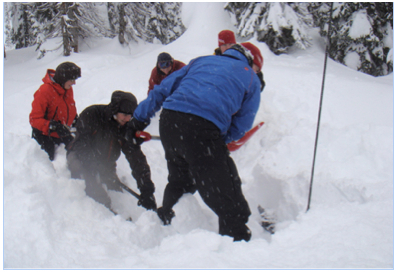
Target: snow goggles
x=164, y=64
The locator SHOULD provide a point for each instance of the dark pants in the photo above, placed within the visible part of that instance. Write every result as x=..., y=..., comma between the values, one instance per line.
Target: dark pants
x=98, y=178
x=48, y=143
x=198, y=160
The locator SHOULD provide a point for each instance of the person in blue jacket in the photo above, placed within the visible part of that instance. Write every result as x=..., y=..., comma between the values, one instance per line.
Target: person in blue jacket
x=206, y=105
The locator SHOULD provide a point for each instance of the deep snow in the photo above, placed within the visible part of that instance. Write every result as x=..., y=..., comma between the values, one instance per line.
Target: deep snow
x=49, y=222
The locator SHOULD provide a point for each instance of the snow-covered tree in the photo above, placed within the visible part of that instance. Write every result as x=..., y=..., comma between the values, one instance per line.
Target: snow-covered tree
x=74, y=21
x=361, y=35
x=7, y=26
x=280, y=25
x=24, y=30
x=165, y=22
x=148, y=21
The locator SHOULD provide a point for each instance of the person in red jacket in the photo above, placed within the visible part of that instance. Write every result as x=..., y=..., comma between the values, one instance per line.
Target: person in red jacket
x=164, y=67
x=53, y=108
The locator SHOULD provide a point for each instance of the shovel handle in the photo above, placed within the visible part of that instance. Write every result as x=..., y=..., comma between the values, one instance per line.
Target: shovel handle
x=146, y=136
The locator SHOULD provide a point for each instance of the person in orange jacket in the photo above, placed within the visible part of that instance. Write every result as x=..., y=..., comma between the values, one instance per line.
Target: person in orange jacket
x=53, y=108
x=164, y=67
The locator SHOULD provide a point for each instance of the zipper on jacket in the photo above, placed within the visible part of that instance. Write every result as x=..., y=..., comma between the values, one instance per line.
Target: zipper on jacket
x=67, y=107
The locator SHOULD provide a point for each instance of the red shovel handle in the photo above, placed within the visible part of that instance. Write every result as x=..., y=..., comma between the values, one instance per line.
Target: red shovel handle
x=235, y=145
x=144, y=135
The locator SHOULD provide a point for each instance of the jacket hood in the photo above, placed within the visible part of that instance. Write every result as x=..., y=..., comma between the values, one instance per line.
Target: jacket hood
x=48, y=79
x=124, y=102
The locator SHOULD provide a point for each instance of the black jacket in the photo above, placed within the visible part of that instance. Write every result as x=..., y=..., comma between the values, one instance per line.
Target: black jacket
x=100, y=140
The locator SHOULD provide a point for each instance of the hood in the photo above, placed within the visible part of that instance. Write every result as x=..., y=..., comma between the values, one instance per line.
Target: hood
x=124, y=102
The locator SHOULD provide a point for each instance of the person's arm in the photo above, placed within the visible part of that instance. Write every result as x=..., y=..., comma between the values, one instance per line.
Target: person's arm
x=242, y=121
x=147, y=108
x=37, y=117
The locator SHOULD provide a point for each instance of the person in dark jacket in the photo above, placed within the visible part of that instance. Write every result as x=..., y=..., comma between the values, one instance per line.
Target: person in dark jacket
x=100, y=139
x=53, y=108
x=206, y=105
x=165, y=65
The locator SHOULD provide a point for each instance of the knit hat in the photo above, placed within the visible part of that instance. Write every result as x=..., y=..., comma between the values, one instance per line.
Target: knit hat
x=257, y=57
x=123, y=102
x=226, y=37
x=65, y=72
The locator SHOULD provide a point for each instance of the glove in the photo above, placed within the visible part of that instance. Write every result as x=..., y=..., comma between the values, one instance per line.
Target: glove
x=132, y=127
x=132, y=138
x=137, y=125
x=147, y=200
x=165, y=215
x=62, y=130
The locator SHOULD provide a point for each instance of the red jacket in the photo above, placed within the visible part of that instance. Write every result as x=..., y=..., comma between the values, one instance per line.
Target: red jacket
x=157, y=75
x=52, y=102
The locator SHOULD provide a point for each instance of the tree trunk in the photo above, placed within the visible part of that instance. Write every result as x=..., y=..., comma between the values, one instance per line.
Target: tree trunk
x=122, y=23
x=72, y=10
x=65, y=32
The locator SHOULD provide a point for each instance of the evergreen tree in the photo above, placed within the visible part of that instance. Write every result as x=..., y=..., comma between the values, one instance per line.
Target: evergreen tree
x=7, y=26
x=165, y=22
x=24, y=29
x=44, y=13
x=279, y=25
x=361, y=35
x=75, y=21
x=146, y=21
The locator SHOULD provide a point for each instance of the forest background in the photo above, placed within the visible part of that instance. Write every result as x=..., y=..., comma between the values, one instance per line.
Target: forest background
x=361, y=33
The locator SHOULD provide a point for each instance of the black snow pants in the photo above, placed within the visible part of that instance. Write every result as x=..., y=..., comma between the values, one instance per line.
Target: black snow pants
x=198, y=160
x=48, y=143
x=98, y=178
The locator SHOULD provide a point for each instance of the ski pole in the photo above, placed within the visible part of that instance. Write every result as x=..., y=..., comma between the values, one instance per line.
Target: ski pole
x=320, y=108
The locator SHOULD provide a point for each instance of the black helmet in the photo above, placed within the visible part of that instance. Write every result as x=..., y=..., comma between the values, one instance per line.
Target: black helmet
x=65, y=72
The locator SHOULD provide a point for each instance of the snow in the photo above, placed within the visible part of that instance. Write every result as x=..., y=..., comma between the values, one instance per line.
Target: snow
x=360, y=25
x=50, y=223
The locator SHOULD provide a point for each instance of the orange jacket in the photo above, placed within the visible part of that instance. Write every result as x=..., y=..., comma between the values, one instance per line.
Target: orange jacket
x=157, y=75
x=52, y=102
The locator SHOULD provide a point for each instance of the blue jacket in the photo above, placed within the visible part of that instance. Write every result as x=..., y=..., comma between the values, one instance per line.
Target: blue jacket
x=222, y=89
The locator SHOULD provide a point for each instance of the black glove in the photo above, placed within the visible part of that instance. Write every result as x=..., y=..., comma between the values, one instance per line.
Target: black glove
x=137, y=125
x=147, y=200
x=59, y=128
x=165, y=215
x=132, y=138
x=132, y=127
